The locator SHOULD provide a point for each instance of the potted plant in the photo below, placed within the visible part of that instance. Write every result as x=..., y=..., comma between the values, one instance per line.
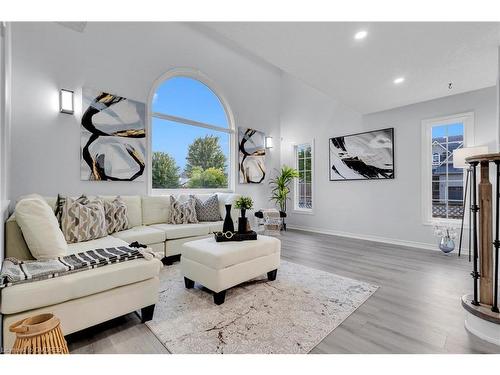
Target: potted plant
x=243, y=204
x=280, y=186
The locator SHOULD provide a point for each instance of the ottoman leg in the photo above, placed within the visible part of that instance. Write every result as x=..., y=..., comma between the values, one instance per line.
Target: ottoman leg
x=147, y=313
x=271, y=275
x=219, y=297
x=188, y=283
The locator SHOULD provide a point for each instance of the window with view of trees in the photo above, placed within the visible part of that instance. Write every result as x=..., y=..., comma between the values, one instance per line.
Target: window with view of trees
x=191, y=137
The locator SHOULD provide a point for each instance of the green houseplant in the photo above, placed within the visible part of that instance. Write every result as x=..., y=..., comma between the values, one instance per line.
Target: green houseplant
x=280, y=186
x=243, y=204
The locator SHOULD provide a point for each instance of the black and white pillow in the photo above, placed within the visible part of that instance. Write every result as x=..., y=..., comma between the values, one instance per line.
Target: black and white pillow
x=207, y=210
x=182, y=213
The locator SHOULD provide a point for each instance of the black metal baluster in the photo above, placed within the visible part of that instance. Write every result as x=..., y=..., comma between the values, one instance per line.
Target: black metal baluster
x=463, y=214
x=496, y=243
x=474, y=209
x=470, y=215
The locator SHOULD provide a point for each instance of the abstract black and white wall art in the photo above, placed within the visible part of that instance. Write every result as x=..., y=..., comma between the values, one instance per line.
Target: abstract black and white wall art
x=362, y=156
x=113, y=137
x=252, y=151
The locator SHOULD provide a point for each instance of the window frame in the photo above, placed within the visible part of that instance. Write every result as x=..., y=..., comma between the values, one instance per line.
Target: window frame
x=296, y=208
x=467, y=119
x=203, y=78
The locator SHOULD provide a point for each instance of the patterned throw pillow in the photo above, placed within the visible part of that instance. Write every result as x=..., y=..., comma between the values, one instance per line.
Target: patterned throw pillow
x=61, y=199
x=182, y=213
x=83, y=222
x=116, y=215
x=207, y=210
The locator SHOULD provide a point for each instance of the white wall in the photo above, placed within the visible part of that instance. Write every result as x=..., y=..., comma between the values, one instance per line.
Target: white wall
x=5, y=87
x=124, y=58
x=373, y=209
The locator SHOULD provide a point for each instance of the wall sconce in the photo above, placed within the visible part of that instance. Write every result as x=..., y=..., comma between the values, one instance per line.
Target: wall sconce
x=66, y=102
x=269, y=142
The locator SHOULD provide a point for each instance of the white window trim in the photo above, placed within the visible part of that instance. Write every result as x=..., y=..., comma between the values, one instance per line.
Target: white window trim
x=296, y=209
x=467, y=119
x=203, y=78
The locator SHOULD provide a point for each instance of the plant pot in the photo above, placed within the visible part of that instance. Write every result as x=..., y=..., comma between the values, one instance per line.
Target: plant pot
x=228, y=220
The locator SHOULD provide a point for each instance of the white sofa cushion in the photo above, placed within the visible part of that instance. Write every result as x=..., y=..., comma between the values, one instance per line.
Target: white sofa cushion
x=155, y=210
x=219, y=255
x=216, y=226
x=134, y=208
x=37, y=294
x=108, y=241
x=142, y=234
x=40, y=228
x=173, y=231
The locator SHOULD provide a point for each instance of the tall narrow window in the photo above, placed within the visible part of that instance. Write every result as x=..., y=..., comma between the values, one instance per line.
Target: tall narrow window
x=304, y=184
x=192, y=137
x=443, y=185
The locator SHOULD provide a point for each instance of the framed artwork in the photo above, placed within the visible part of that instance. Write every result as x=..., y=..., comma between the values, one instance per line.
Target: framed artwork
x=251, y=156
x=362, y=156
x=112, y=137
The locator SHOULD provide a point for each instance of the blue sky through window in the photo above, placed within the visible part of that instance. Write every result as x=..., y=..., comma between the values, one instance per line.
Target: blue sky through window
x=448, y=130
x=190, y=99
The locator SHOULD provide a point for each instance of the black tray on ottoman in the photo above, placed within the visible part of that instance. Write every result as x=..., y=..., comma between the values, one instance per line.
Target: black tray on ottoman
x=236, y=237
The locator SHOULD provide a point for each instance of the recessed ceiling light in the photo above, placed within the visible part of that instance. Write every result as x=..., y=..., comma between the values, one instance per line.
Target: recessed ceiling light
x=360, y=35
x=399, y=80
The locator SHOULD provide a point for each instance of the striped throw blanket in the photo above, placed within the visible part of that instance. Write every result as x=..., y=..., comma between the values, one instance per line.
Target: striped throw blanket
x=16, y=271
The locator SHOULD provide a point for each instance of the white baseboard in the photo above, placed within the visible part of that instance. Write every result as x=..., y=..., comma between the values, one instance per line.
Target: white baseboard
x=367, y=237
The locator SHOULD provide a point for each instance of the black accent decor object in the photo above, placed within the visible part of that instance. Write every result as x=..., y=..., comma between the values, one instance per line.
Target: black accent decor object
x=220, y=297
x=243, y=222
x=188, y=283
x=250, y=236
x=496, y=243
x=474, y=210
x=147, y=313
x=168, y=261
x=271, y=275
x=137, y=245
x=228, y=220
x=463, y=213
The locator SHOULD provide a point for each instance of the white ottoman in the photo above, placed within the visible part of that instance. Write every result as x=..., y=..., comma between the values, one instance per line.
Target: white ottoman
x=219, y=266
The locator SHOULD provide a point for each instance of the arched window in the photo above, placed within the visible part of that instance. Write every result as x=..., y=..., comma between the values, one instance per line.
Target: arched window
x=191, y=136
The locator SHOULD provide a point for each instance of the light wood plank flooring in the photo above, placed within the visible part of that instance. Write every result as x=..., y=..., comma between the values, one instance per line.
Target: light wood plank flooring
x=416, y=309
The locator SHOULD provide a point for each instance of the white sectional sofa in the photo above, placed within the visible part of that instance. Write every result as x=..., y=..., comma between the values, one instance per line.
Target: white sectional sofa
x=90, y=297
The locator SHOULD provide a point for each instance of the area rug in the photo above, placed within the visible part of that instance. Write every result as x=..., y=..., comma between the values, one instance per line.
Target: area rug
x=289, y=315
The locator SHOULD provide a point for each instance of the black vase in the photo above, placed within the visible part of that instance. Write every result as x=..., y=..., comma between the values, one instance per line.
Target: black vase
x=228, y=221
x=243, y=222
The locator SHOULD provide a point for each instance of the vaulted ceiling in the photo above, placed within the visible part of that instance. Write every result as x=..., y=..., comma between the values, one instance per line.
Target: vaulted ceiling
x=361, y=73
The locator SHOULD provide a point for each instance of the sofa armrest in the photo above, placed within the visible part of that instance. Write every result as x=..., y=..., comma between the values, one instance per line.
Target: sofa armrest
x=15, y=245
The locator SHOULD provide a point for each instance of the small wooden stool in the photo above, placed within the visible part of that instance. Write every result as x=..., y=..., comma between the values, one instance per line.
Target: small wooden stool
x=40, y=334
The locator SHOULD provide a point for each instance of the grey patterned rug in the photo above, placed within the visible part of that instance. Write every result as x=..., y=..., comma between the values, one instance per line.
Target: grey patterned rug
x=289, y=315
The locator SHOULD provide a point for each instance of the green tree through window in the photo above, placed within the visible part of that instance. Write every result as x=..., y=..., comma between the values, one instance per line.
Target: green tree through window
x=191, y=137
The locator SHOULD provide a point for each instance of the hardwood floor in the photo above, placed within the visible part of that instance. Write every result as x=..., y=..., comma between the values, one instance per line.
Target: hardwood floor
x=416, y=309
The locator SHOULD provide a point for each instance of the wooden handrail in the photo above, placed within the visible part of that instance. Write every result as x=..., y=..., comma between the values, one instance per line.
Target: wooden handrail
x=483, y=157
